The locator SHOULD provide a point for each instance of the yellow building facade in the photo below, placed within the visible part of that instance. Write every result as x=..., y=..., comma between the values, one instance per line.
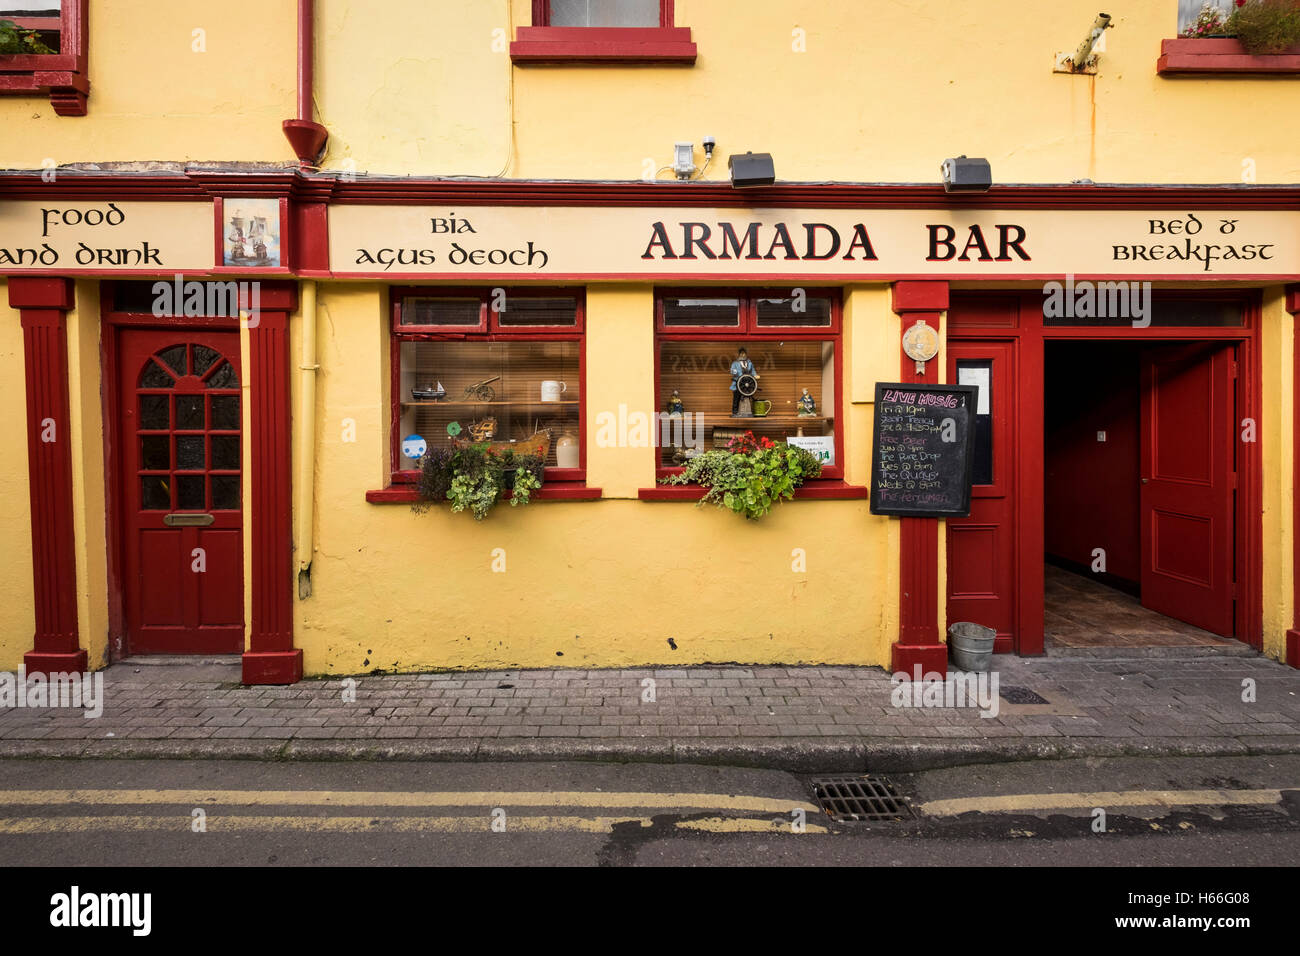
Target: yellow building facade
x=437, y=154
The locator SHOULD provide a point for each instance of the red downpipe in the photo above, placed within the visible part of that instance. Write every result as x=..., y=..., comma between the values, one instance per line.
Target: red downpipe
x=307, y=137
x=306, y=58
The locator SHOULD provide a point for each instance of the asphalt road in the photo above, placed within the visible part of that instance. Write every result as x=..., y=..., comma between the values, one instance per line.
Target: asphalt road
x=1171, y=811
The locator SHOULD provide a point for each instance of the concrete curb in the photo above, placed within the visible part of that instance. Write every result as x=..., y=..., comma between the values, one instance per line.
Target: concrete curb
x=800, y=755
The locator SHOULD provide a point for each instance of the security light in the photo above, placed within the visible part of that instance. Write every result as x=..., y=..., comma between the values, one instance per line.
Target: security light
x=962, y=175
x=751, y=169
x=684, y=160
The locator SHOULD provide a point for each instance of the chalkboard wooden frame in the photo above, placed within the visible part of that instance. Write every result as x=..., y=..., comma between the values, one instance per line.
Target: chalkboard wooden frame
x=965, y=447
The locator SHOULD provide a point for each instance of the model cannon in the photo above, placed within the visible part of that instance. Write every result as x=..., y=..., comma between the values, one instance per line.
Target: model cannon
x=483, y=391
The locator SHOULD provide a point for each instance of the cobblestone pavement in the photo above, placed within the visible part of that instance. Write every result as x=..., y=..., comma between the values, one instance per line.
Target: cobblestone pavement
x=816, y=718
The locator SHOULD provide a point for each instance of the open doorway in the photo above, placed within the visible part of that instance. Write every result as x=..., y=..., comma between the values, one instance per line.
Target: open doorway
x=1139, y=494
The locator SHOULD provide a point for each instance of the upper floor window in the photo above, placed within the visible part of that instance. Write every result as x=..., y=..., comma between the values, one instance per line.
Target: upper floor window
x=599, y=31
x=603, y=13
x=43, y=50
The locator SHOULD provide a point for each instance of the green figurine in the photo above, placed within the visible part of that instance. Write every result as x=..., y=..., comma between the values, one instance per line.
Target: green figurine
x=807, y=406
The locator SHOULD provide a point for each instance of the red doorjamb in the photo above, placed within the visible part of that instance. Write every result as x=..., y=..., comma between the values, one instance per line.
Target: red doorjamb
x=1026, y=326
x=43, y=304
x=270, y=657
x=918, y=574
x=1293, y=635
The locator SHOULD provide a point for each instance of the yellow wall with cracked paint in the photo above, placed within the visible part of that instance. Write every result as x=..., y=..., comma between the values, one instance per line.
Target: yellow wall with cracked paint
x=593, y=584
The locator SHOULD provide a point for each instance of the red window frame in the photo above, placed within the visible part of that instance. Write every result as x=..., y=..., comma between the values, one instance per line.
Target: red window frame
x=543, y=43
x=750, y=331
x=61, y=74
x=488, y=330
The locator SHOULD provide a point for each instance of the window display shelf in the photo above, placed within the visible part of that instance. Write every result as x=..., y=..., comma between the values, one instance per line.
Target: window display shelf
x=521, y=404
x=711, y=421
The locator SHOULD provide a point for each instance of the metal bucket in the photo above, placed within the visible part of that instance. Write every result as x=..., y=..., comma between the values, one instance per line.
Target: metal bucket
x=971, y=646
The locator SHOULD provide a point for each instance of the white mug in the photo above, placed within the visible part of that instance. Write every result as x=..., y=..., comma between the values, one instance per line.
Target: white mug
x=551, y=390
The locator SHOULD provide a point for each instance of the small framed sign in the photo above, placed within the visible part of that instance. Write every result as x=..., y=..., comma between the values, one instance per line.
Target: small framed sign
x=251, y=233
x=823, y=446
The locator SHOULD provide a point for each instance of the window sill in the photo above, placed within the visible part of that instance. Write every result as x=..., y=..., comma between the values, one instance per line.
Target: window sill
x=814, y=491
x=61, y=76
x=666, y=45
x=1221, y=55
x=551, y=491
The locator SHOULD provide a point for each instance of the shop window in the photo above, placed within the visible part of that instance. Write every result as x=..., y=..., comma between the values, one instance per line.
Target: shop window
x=44, y=51
x=579, y=31
x=493, y=365
x=791, y=343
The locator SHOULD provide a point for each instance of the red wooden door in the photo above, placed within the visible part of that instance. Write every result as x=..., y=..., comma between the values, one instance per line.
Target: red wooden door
x=182, y=523
x=982, y=566
x=1188, y=483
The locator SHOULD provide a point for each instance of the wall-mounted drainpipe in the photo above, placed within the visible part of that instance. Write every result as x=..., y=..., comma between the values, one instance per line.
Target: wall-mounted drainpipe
x=305, y=136
x=304, y=478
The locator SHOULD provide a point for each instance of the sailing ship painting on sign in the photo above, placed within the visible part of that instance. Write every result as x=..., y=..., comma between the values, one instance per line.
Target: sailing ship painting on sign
x=251, y=233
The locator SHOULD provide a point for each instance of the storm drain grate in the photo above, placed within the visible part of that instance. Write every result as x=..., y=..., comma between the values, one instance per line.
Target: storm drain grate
x=1021, y=695
x=859, y=798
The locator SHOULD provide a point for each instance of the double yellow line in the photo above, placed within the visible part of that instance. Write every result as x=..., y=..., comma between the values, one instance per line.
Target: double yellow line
x=478, y=807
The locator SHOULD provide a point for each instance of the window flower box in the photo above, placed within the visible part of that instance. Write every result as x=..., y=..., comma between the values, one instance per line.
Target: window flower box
x=1223, y=55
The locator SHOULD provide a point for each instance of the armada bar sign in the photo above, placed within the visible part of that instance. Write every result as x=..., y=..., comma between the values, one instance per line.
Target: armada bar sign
x=577, y=243
x=668, y=244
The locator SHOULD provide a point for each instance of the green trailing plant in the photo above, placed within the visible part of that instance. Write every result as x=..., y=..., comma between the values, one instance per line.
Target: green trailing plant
x=751, y=476
x=474, y=478
x=1266, y=26
x=15, y=40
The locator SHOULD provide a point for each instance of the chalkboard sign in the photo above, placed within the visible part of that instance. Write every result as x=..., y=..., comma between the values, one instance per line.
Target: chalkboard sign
x=922, y=450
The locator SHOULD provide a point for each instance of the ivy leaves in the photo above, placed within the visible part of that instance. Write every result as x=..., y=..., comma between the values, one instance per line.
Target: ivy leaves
x=750, y=481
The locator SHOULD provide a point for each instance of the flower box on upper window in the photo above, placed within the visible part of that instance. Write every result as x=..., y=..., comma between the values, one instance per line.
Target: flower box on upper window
x=1233, y=37
x=489, y=364
x=49, y=54
x=601, y=31
x=1221, y=55
x=791, y=340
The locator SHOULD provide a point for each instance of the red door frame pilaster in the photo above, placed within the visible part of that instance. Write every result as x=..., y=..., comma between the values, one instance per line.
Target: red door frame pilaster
x=918, y=577
x=271, y=657
x=1293, y=634
x=43, y=304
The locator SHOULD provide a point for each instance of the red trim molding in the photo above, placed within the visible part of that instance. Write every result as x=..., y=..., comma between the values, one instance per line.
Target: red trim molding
x=305, y=186
x=43, y=303
x=271, y=657
x=568, y=45
x=919, y=644
x=1293, y=634
x=1225, y=55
